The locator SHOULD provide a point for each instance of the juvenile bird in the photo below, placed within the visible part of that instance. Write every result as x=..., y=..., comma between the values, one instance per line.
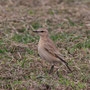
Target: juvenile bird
x=47, y=49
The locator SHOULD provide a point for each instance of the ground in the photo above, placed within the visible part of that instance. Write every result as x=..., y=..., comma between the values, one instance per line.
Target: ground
x=68, y=23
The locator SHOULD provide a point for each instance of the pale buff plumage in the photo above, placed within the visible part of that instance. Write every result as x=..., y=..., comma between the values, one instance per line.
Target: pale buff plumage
x=47, y=49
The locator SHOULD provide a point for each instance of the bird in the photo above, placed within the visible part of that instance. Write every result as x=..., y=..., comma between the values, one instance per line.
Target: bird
x=47, y=49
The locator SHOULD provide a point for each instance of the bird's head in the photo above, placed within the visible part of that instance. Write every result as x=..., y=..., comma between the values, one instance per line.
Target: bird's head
x=41, y=32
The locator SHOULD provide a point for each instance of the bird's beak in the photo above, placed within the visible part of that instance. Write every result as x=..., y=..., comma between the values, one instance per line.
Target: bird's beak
x=35, y=31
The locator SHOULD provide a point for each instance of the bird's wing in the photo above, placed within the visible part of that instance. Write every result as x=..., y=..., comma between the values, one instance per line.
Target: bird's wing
x=51, y=49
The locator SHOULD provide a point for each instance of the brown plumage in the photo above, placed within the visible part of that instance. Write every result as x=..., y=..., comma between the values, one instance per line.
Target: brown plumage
x=47, y=49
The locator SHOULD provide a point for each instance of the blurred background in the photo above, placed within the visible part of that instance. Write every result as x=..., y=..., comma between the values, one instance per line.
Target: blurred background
x=68, y=22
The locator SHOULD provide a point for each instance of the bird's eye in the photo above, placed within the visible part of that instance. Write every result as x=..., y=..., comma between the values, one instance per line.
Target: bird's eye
x=42, y=31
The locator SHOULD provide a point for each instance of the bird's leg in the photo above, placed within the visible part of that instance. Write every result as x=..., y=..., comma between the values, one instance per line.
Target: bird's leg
x=57, y=73
x=51, y=69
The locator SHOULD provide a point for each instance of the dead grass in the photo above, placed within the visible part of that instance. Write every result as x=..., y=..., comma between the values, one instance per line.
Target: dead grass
x=20, y=66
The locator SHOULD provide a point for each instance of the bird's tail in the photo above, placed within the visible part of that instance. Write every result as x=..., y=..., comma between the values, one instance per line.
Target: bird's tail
x=64, y=63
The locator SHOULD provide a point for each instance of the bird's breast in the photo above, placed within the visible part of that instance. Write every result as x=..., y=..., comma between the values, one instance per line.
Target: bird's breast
x=41, y=51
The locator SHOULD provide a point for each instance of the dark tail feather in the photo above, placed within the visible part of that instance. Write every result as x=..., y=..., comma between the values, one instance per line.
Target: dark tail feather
x=65, y=63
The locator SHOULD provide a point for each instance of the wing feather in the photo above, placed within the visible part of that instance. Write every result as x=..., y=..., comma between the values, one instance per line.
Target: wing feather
x=51, y=48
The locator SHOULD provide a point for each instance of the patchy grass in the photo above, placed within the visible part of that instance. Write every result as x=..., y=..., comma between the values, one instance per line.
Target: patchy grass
x=23, y=38
x=20, y=66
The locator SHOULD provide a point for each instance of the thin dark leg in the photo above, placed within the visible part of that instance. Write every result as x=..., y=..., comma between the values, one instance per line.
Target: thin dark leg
x=58, y=73
x=51, y=69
